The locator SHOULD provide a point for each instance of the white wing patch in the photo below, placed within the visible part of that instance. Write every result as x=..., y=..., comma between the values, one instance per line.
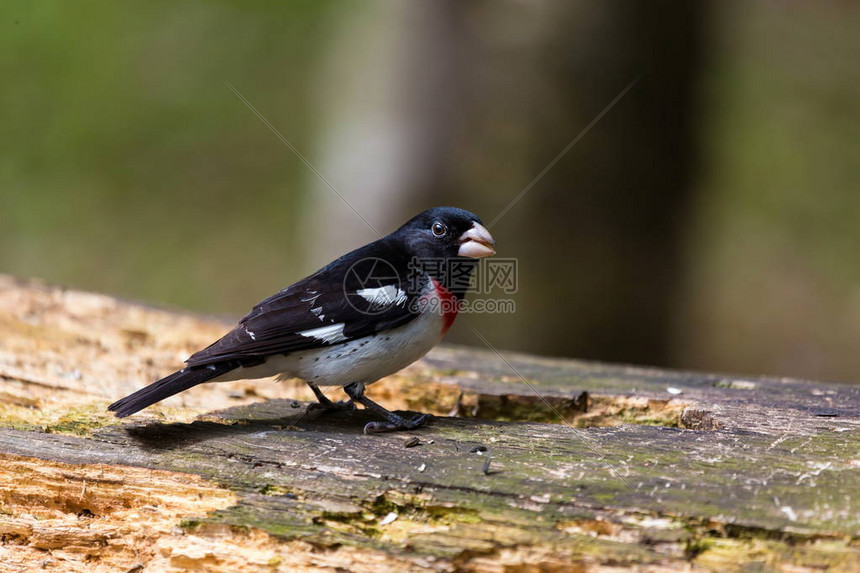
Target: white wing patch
x=382, y=296
x=328, y=334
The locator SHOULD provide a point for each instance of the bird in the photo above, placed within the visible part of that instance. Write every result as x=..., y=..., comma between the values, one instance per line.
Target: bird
x=364, y=316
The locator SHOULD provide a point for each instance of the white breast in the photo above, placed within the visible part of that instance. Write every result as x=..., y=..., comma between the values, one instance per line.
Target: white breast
x=364, y=359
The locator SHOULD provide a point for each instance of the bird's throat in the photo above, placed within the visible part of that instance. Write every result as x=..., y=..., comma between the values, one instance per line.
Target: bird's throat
x=449, y=305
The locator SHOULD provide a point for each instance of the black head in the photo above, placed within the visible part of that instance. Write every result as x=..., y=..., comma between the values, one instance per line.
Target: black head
x=446, y=234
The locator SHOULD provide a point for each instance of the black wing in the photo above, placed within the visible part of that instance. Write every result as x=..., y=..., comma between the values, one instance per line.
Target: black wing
x=327, y=298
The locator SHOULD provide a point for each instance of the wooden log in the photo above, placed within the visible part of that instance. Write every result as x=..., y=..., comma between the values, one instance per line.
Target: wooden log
x=532, y=464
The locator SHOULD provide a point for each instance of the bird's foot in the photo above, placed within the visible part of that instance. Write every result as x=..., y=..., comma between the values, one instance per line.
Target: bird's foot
x=330, y=407
x=395, y=423
x=327, y=405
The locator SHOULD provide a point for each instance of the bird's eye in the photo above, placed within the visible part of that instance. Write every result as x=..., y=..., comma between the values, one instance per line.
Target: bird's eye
x=439, y=229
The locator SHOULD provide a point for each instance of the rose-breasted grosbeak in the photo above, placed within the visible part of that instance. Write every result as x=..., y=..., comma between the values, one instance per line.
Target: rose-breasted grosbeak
x=366, y=315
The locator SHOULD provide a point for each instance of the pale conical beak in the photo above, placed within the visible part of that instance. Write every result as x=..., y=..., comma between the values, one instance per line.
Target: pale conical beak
x=476, y=243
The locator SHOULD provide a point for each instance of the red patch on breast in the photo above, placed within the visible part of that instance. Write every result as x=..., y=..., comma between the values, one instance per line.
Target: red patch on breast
x=449, y=305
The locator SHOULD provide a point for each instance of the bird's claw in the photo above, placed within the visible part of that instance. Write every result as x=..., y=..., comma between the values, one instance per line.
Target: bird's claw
x=396, y=423
x=341, y=406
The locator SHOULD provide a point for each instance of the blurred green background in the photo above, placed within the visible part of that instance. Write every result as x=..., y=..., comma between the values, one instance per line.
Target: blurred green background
x=707, y=221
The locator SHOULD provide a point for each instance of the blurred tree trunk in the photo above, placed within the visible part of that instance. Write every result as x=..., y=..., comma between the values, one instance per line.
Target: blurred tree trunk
x=487, y=95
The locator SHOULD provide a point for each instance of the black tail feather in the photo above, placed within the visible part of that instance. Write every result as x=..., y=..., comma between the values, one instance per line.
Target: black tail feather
x=167, y=387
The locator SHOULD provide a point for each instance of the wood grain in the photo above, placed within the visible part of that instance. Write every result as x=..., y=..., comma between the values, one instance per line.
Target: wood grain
x=590, y=465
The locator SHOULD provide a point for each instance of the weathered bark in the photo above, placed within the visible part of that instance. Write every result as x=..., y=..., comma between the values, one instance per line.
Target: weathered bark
x=652, y=470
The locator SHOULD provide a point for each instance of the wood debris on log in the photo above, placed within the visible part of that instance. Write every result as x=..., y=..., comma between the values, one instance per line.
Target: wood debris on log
x=590, y=464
